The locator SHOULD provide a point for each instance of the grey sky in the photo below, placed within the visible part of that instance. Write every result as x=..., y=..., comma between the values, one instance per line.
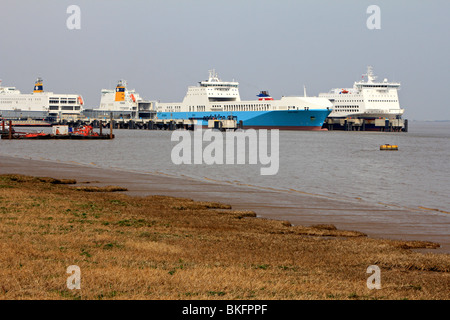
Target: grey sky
x=161, y=47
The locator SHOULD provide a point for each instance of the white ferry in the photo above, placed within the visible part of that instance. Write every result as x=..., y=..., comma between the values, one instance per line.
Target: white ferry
x=121, y=102
x=367, y=99
x=217, y=99
x=39, y=104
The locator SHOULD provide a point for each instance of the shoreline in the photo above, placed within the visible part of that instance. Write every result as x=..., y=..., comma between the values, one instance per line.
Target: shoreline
x=377, y=221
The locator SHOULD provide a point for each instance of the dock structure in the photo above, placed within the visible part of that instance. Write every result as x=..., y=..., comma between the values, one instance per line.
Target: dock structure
x=357, y=124
x=144, y=124
x=342, y=124
x=225, y=125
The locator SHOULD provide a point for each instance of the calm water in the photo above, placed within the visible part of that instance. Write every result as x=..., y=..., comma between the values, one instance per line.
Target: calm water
x=337, y=164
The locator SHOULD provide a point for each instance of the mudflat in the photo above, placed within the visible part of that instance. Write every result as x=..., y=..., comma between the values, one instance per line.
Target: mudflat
x=375, y=220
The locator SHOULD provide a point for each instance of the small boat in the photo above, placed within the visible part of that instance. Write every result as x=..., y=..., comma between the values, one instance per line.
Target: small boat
x=38, y=135
x=83, y=133
x=26, y=135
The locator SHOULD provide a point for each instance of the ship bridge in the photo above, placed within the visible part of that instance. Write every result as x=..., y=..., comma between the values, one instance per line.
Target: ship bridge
x=213, y=90
x=218, y=90
x=372, y=84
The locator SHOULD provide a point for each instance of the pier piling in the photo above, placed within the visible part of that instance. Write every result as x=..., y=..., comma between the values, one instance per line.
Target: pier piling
x=111, y=125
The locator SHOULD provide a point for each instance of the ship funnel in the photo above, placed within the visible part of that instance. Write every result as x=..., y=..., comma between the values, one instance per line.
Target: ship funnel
x=38, y=86
x=120, y=91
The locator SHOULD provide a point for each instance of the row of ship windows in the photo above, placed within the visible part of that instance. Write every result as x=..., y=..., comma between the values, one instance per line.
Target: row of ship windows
x=64, y=108
x=346, y=109
x=20, y=99
x=63, y=101
x=367, y=101
x=247, y=107
x=222, y=85
x=222, y=89
x=243, y=107
x=375, y=86
x=9, y=102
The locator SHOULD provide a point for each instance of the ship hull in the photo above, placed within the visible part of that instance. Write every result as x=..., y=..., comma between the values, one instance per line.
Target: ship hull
x=279, y=119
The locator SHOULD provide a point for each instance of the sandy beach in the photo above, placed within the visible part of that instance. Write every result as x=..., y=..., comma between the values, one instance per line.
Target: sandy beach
x=375, y=220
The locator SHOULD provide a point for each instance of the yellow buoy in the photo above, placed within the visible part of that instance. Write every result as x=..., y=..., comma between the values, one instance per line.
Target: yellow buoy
x=388, y=147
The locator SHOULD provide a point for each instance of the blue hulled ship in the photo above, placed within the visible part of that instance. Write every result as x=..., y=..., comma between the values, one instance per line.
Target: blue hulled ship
x=216, y=99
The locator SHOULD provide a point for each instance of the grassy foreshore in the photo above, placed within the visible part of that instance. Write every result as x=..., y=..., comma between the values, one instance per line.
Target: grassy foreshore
x=160, y=247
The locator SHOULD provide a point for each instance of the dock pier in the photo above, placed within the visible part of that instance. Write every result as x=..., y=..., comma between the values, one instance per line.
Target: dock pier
x=356, y=124
x=140, y=124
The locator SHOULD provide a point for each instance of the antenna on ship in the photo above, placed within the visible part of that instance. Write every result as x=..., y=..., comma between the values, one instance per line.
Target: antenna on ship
x=369, y=74
x=213, y=76
x=304, y=91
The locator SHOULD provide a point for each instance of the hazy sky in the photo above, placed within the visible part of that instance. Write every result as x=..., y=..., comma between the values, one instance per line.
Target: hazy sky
x=161, y=47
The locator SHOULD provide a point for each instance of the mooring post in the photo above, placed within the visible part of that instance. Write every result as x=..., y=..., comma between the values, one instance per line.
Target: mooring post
x=111, y=124
x=10, y=130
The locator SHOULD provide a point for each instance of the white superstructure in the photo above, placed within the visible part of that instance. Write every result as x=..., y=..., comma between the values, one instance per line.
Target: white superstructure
x=122, y=102
x=215, y=95
x=39, y=103
x=119, y=99
x=367, y=99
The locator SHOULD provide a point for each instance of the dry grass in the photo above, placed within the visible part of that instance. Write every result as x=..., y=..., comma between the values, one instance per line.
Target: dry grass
x=161, y=247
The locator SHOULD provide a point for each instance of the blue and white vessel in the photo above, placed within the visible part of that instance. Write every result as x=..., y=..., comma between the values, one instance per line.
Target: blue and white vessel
x=217, y=99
